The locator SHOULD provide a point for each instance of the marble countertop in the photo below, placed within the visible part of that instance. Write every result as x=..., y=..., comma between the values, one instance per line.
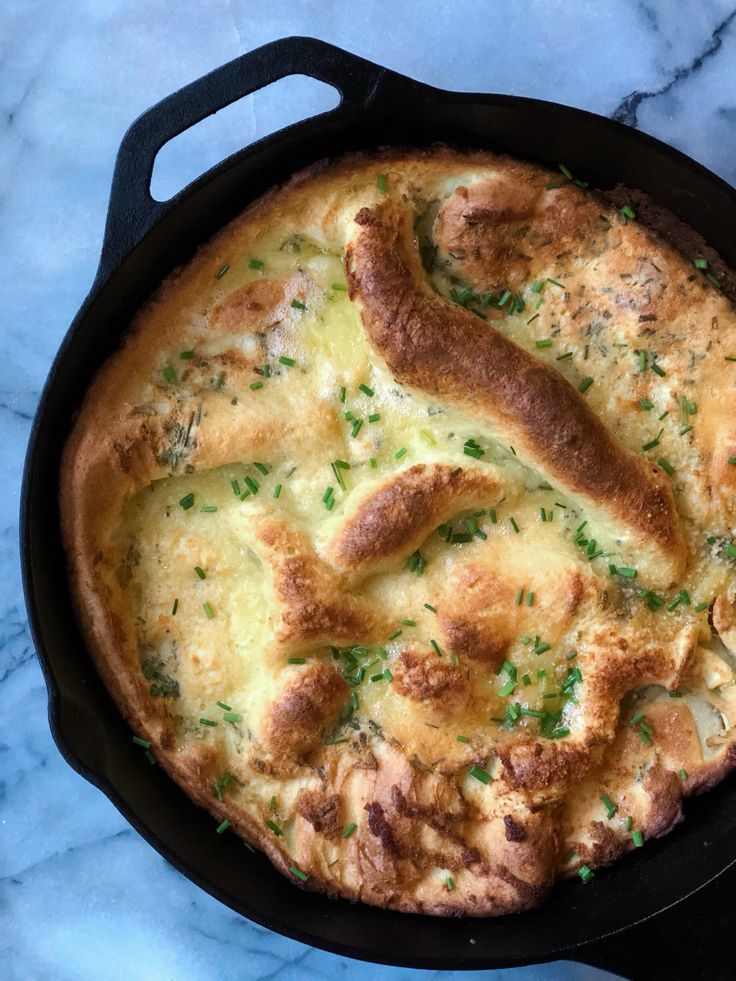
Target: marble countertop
x=81, y=895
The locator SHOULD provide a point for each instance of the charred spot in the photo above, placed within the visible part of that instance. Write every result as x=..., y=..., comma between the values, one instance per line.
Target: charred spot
x=380, y=828
x=514, y=830
x=322, y=812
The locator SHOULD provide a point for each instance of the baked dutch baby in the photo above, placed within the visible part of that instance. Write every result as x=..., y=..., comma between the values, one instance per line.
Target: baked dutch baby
x=402, y=527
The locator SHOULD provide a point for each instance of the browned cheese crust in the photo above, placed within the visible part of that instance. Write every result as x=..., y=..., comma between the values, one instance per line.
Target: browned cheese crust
x=402, y=527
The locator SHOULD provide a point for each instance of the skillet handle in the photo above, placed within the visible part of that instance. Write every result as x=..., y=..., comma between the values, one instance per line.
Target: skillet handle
x=132, y=211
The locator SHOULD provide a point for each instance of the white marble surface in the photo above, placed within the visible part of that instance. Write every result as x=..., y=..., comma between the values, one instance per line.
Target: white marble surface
x=81, y=895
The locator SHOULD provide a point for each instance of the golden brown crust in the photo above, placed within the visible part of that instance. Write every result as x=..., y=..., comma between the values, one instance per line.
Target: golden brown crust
x=421, y=717
x=395, y=517
x=433, y=345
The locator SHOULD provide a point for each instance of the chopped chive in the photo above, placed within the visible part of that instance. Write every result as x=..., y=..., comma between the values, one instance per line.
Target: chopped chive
x=338, y=476
x=277, y=490
x=387, y=675
x=449, y=883
x=432, y=609
x=507, y=689
x=436, y=648
x=395, y=634
x=701, y=606
x=220, y=379
x=274, y=827
x=566, y=171
x=232, y=717
x=628, y=212
x=462, y=739
x=382, y=183
x=666, y=466
x=340, y=287
x=658, y=371
x=585, y=384
x=530, y=599
x=637, y=838
x=712, y=279
x=646, y=404
x=399, y=453
x=532, y=319
x=610, y=807
x=732, y=459
x=479, y=774
x=545, y=342
x=563, y=357
x=682, y=774
x=208, y=509
x=700, y=263
x=141, y=742
x=366, y=390
x=373, y=462
x=555, y=283
x=541, y=648
x=349, y=828
x=289, y=362
x=374, y=417
x=187, y=501
x=221, y=828
x=585, y=874
x=207, y=722
x=235, y=487
x=221, y=271
x=251, y=484
x=208, y=610
x=298, y=305
x=519, y=596
x=493, y=516
x=175, y=607
x=298, y=873
x=514, y=525
x=186, y=355
x=730, y=550
x=256, y=264
x=357, y=426
x=255, y=385
x=297, y=660
x=200, y=572
x=627, y=572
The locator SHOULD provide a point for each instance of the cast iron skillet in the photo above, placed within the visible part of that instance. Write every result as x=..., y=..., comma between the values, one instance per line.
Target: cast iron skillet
x=143, y=241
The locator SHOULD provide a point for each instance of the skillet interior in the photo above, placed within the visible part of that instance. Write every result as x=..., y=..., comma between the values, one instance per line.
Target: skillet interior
x=379, y=109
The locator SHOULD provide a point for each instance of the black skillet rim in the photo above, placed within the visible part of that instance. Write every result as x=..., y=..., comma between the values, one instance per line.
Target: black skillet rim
x=366, y=89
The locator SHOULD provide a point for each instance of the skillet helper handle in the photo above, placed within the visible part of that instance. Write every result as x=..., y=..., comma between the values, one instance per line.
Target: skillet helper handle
x=132, y=211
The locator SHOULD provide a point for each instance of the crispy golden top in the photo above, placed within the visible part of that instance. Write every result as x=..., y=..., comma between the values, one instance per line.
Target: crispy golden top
x=402, y=525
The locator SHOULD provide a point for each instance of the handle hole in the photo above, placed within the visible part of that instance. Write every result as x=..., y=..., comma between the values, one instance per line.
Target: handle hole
x=202, y=146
